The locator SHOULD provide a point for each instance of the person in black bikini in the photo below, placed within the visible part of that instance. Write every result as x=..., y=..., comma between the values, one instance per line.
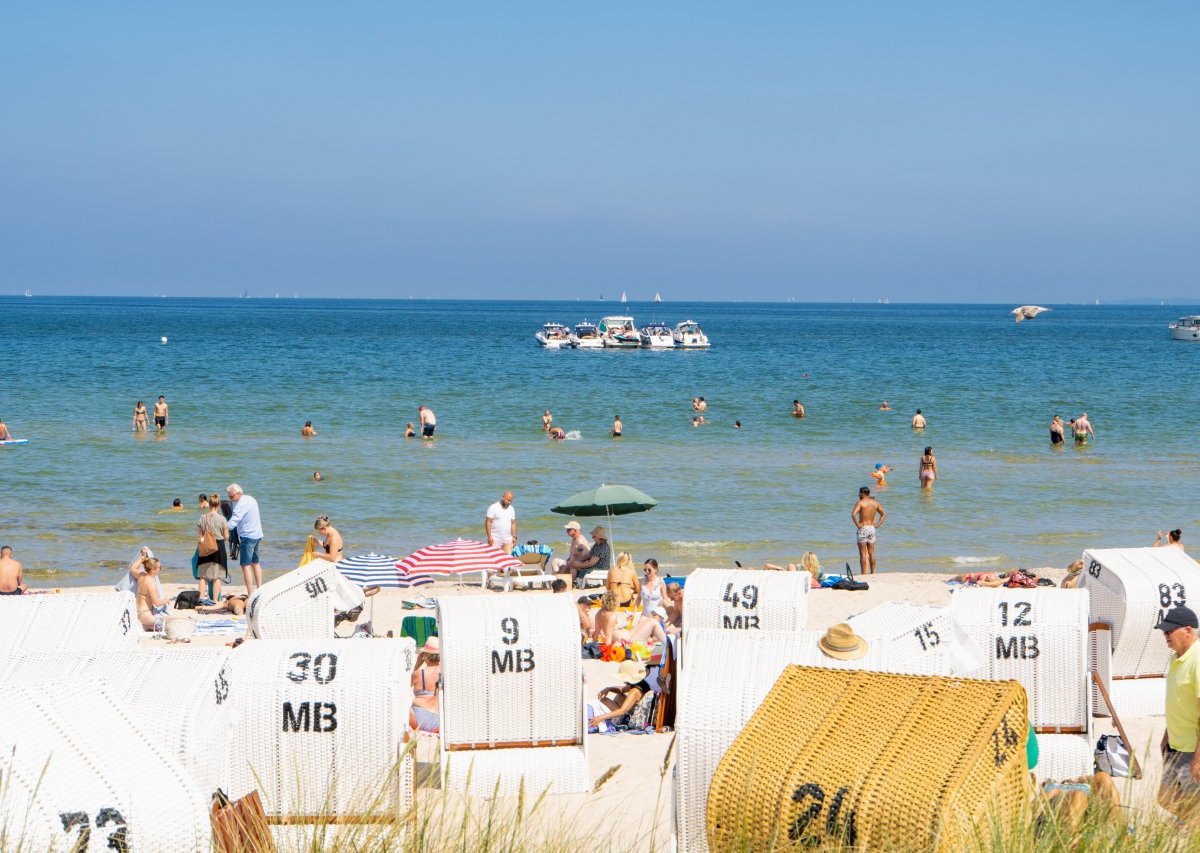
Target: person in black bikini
x=1056, y=430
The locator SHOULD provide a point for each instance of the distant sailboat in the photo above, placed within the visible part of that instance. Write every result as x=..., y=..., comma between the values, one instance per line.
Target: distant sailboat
x=245, y=293
x=28, y=292
x=657, y=296
x=623, y=297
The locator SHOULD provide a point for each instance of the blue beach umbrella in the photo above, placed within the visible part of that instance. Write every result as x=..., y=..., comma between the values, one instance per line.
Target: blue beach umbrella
x=379, y=570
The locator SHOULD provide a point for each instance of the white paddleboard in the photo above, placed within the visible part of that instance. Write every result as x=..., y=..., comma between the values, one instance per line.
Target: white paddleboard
x=15, y=441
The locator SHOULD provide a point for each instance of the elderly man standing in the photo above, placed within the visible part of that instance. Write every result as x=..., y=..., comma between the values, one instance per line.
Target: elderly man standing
x=1180, y=785
x=500, y=523
x=599, y=558
x=248, y=524
x=577, y=552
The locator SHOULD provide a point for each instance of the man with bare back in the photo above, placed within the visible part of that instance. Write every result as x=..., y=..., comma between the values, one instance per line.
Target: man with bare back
x=867, y=516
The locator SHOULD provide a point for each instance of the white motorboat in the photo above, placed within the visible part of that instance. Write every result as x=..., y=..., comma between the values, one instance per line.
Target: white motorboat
x=587, y=336
x=554, y=336
x=689, y=335
x=1186, y=328
x=657, y=336
x=619, y=332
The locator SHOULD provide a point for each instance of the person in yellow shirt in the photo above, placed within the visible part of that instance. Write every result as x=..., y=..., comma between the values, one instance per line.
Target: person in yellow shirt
x=1179, y=790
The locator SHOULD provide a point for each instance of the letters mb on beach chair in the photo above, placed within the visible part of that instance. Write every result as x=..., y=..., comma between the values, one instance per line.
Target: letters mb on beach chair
x=302, y=603
x=184, y=692
x=714, y=706
x=1040, y=638
x=512, y=694
x=740, y=600
x=321, y=729
x=81, y=774
x=68, y=621
x=1131, y=588
x=940, y=757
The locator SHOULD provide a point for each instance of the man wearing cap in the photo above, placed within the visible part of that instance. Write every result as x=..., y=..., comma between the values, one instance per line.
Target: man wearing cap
x=500, y=523
x=577, y=551
x=1177, y=792
x=599, y=558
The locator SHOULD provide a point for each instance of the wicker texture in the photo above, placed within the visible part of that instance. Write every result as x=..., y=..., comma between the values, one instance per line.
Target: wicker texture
x=741, y=600
x=512, y=677
x=1100, y=662
x=320, y=725
x=919, y=630
x=183, y=692
x=70, y=753
x=1130, y=587
x=553, y=770
x=301, y=604
x=1139, y=697
x=1063, y=757
x=714, y=707
x=939, y=756
x=84, y=621
x=1039, y=637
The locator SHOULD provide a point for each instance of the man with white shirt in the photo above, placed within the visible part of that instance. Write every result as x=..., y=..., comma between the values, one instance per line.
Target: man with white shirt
x=577, y=552
x=500, y=523
x=248, y=524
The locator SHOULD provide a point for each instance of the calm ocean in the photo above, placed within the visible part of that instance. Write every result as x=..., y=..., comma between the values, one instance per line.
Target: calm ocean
x=242, y=375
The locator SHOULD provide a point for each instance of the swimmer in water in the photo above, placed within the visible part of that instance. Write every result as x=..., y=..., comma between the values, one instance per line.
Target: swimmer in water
x=317, y=475
x=617, y=428
x=927, y=471
x=879, y=472
x=557, y=433
x=546, y=419
x=737, y=424
x=409, y=431
x=307, y=430
x=797, y=409
x=884, y=407
x=918, y=421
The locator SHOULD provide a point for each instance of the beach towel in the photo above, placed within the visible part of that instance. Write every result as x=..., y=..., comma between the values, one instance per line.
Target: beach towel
x=215, y=627
x=310, y=547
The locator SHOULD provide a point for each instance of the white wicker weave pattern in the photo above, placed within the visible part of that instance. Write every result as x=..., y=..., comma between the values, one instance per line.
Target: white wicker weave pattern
x=320, y=725
x=511, y=677
x=182, y=691
x=1100, y=662
x=918, y=629
x=1040, y=638
x=1062, y=757
x=68, y=621
x=1139, y=697
x=1130, y=588
x=97, y=775
x=713, y=705
x=301, y=604
x=739, y=600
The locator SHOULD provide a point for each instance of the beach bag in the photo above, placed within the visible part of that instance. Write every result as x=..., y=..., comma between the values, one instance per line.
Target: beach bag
x=642, y=714
x=208, y=543
x=187, y=599
x=849, y=583
x=1020, y=579
x=1112, y=757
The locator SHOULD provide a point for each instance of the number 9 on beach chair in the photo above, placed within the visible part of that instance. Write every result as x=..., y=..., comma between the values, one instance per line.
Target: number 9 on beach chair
x=512, y=695
x=302, y=603
x=1040, y=638
x=68, y=621
x=740, y=600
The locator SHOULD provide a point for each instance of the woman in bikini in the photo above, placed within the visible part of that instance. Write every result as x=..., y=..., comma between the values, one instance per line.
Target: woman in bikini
x=928, y=469
x=623, y=580
x=332, y=542
x=653, y=588
x=426, y=715
x=139, y=417
x=151, y=606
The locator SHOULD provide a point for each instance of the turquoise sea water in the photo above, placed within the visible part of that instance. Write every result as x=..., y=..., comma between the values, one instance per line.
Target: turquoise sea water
x=242, y=376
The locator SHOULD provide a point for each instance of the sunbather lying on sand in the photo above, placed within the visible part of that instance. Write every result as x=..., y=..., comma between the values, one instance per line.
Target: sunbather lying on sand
x=235, y=604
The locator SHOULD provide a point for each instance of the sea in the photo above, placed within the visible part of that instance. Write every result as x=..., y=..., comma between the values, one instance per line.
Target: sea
x=241, y=376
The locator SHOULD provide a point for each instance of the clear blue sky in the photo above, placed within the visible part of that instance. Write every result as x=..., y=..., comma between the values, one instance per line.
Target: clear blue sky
x=922, y=152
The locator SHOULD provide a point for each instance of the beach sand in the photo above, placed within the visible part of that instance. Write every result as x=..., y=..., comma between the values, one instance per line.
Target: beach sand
x=637, y=797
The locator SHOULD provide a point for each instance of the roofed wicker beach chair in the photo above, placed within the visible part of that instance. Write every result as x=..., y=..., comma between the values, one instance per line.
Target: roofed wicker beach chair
x=322, y=732
x=303, y=603
x=87, y=620
x=1131, y=588
x=918, y=629
x=737, y=599
x=940, y=758
x=512, y=695
x=1040, y=638
x=82, y=772
x=712, y=707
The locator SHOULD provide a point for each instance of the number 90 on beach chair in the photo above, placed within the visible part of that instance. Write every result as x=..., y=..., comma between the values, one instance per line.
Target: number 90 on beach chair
x=302, y=604
x=739, y=600
x=512, y=695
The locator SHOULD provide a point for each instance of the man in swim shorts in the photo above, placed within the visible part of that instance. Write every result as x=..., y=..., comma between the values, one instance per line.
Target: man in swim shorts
x=160, y=414
x=867, y=515
x=1083, y=429
x=10, y=573
x=428, y=421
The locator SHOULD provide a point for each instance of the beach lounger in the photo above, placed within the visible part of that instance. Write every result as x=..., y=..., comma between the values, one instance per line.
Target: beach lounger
x=532, y=571
x=512, y=695
x=741, y=600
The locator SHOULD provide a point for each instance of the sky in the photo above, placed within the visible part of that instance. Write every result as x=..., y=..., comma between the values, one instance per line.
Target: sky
x=1013, y=152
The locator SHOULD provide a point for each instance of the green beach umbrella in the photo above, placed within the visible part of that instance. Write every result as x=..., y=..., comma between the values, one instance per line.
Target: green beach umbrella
x=606, y=501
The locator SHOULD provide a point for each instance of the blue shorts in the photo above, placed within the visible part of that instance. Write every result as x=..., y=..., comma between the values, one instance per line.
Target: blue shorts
x=428, y=429
x=249, y=552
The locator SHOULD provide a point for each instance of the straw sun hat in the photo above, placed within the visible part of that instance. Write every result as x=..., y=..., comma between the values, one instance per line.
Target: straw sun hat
x=632, y=671
x=842, y=643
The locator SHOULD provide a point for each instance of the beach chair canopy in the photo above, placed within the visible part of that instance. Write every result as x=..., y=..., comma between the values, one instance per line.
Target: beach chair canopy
x=82, y=621
x=740, y=600
x=301, y=603
x=321, y=726
x=919, y=630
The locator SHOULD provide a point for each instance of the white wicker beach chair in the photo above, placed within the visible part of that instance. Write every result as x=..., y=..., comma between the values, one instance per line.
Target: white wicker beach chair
x=725, y=676
x=320, y=727
x=919, y=629
x=183, y=691
x=1040, y=638
x=302, y=603
x=81, y=774
x=68, y=621
x=740, y=600
x=512, y=695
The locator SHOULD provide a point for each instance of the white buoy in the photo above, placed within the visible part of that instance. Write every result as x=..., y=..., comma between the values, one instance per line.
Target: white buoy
x=164, y=339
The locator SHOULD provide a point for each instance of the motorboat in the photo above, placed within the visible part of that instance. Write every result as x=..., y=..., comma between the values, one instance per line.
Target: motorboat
x=619, y=332
x=657, y=336
x=553, y=336
x=587, y=336
x=689, y=335
x=1186, y=328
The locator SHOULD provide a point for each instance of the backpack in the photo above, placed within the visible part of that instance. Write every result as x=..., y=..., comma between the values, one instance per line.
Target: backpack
x=187, y=599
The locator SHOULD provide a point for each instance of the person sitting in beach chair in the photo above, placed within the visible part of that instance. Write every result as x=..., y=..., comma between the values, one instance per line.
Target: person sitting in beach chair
x=151, y=606
x=623, y=699
x=650, y=628
x=426, y=714
x=674, y=607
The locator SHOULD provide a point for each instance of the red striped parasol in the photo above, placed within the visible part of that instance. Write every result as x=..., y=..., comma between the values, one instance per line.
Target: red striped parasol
x=456, y=558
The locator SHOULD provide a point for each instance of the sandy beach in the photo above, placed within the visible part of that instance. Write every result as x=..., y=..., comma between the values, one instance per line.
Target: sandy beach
x=637, y=788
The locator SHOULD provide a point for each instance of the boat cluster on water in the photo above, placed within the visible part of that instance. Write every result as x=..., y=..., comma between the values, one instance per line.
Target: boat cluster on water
x=621, y=333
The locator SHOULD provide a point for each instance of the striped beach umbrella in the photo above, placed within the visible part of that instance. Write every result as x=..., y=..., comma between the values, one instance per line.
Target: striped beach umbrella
x=456, y=558
x=379, y=570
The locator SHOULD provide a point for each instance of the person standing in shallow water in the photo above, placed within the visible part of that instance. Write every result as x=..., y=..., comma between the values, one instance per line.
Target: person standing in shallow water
x=617, y=427
x=140, y=419
x=918, y=421
x=927, y=471
x=867, y=515
x=1056, y=431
